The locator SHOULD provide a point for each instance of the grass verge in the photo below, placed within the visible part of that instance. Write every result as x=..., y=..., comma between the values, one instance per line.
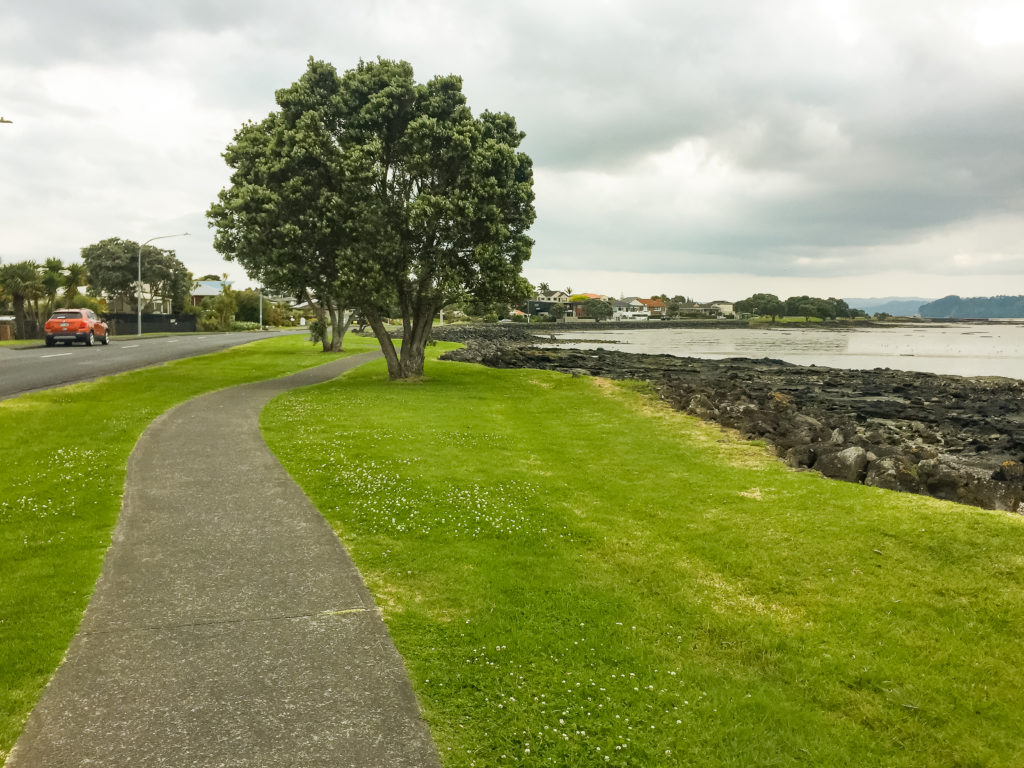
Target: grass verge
x=63, y=466
x=577, y=576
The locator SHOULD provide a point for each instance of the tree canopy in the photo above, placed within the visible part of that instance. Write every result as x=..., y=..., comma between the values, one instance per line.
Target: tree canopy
x=597, y=309
x=113, y=266
x=372, y=191
x=796, y=306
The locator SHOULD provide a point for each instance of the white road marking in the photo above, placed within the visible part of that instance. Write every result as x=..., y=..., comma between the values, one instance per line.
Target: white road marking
x=173, y=341
x=130, y=346
x=59, y=354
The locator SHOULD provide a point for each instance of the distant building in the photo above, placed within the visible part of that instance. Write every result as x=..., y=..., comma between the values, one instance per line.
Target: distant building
x=629, y=308
x=202, y=289
x=655, y=307
x=157, y=305
x=543, y=301
x=576, y=301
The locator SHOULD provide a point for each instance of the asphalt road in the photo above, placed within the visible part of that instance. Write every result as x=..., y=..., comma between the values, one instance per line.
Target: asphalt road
x=29, y=369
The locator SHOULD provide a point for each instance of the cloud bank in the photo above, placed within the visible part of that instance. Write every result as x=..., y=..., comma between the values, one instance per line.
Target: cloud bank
x=841, y=145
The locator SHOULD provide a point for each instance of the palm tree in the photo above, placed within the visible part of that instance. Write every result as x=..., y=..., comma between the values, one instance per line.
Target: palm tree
x=543, y=288
x=20, y=281
x=75, y=275
x=52, y=278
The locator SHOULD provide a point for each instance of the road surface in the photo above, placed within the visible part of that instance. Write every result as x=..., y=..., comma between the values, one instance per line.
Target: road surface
x=27, y=370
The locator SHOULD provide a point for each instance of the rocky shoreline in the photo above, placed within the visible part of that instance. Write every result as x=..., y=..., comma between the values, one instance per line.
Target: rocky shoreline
x=950, y=437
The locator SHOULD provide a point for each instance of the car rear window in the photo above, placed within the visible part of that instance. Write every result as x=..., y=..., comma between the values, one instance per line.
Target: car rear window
x=66, y=316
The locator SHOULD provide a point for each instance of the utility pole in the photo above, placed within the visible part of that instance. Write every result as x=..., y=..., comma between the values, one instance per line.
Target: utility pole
x=138, y=287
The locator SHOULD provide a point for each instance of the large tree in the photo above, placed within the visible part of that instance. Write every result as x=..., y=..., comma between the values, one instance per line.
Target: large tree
x=377, y=192
x=761, y=304
x=113, y=266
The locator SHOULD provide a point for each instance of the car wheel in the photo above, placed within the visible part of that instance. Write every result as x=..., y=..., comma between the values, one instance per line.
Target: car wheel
x=105, y=339
x=90, y=339
x=50, y=341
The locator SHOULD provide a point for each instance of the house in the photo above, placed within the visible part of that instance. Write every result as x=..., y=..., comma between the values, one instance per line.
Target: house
x=574, y=308
x=656, y=307
x=629, y=308
x=202, y=289
x=151, y=304
x=712, y=309
x=543, y=300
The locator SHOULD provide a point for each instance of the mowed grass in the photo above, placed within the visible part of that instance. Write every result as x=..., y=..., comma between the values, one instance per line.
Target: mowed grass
x=577, y=576
x=62, y=469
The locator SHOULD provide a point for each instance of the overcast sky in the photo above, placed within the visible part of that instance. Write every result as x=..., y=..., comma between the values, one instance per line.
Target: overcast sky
x=712, y=149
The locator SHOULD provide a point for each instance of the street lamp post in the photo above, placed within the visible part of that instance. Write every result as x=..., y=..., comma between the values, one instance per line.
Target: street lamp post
x=138, y=285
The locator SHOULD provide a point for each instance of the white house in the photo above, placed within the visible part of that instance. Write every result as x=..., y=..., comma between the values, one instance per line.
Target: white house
x=629, y=308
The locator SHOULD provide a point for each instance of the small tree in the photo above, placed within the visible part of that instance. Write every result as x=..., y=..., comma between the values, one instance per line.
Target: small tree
x=219, y=311
x=75, y=276
x=21, y=282
x=557, y=312
x=597, y=309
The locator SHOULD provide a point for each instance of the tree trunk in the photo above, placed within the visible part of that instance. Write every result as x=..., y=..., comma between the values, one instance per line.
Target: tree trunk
x=321, y=317
x=414, y=342
x=340, y=322
x=19, y=315
x=386, y=345
x=337, y=332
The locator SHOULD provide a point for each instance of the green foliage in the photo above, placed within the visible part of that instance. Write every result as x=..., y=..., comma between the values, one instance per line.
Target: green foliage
x=806, y=307
x=317, y=331
x=597, y=309
x=372, y=190
x=80, y=301
x=761, y=304
x=113, y=264
x=218, y=312
x=556, y=311
x=21, y=281
x=248, y=302
x=550, y=600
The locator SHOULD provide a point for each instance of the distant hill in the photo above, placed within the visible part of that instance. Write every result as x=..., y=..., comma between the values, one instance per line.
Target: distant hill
x=975, y=308
x=906, y=306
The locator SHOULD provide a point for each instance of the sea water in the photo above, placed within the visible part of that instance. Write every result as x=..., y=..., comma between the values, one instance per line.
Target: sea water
x=962, y=349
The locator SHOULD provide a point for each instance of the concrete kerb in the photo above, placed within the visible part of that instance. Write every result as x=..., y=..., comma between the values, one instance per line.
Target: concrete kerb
x=229, y=626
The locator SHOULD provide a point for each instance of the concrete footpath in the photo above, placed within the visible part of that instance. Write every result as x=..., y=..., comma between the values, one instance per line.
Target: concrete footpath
x=229, y=627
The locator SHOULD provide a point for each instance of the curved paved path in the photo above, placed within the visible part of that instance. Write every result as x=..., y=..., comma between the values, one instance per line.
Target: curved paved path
x=228, y=627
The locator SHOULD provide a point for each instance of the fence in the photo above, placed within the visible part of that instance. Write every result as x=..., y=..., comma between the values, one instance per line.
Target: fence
x=126, y=324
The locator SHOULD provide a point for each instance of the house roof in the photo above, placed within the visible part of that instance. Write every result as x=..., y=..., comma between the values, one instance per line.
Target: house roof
x=652, y=302
x=209, y=287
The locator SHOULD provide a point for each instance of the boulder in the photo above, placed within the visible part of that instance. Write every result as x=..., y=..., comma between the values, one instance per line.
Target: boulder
x=849, y=464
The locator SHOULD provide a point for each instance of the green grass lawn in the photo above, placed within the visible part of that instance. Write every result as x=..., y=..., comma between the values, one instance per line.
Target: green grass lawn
x=21, y=342
x=577, y=576
x=62, y=468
